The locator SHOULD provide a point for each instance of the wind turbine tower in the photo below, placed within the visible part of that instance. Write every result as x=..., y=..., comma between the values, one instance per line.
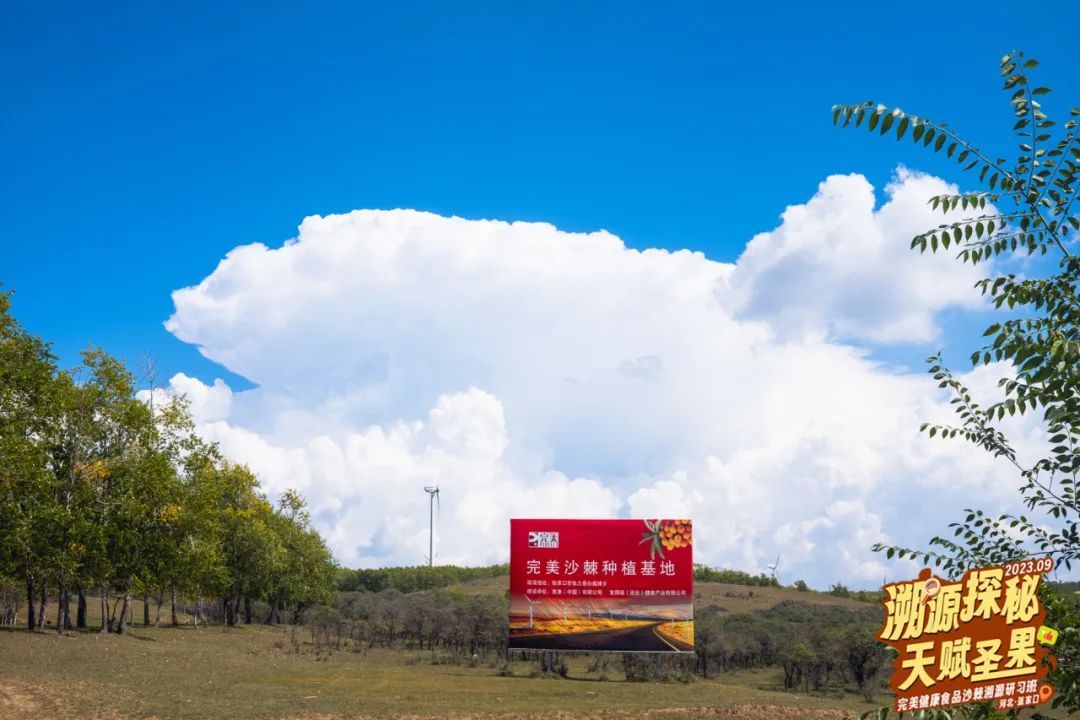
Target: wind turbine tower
x=433, y=493
x=772, y=568
x=531, y=603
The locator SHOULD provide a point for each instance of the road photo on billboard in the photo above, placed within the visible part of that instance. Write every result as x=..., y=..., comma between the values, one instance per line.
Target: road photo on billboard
x=602, y=585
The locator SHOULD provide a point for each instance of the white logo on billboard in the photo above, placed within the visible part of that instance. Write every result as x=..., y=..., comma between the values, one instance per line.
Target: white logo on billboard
x=543, y=539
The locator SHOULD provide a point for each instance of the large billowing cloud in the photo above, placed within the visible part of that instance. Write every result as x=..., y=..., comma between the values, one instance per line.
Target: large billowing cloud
x=835, y=267
x=531, y=372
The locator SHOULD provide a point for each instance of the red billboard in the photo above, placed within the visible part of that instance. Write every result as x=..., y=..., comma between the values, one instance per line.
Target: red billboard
x=602, y=585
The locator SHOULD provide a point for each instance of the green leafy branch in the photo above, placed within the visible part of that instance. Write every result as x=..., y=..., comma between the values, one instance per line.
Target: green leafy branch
x=1026, y=209
x=653, y=536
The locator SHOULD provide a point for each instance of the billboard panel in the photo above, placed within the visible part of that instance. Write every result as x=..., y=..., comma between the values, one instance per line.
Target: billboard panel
x=602, y=585
x=977, y=639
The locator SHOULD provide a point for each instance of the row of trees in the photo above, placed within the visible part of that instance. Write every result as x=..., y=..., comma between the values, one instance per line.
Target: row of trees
x=415, y=578
x=704, y=573
x=424, y=577
x=461, y=626
x=103, y=493
x=817, y=646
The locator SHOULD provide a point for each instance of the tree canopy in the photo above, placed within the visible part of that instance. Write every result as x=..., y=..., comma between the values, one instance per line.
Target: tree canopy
x=102, y=490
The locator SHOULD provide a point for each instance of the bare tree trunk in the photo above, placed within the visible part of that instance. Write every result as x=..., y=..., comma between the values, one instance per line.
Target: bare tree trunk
x=80, y=617
x=31, y=621
x=247, y=611
x=106, y=623
x=123, y=614
x=41, y=607
x=271, y=615
x=146, y=609
x=175, y=622
x=229, y=607
x=160, y=601
x=63, y=610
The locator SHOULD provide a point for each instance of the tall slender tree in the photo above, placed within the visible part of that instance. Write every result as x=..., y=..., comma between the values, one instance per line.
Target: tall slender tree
x=27, y=423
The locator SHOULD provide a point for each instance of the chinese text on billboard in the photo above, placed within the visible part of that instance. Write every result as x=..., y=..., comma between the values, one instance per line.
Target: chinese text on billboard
x=975, y=640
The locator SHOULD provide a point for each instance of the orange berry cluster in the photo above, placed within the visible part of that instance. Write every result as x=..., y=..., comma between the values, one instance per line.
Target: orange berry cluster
x=676, y=534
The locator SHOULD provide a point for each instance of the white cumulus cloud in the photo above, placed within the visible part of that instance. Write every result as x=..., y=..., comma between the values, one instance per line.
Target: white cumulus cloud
x=838, y=267
x=533, y=372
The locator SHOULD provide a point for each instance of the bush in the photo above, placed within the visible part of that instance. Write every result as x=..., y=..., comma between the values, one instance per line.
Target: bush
x=414, y=579
x=703, y=573
x=642, y=667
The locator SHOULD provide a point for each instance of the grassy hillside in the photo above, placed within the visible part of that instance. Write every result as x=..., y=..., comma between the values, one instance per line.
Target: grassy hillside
x=725, y=596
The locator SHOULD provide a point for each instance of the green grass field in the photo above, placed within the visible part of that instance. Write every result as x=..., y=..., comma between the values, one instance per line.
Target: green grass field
x=258, y=672
x=251, y=672
x=255, y=672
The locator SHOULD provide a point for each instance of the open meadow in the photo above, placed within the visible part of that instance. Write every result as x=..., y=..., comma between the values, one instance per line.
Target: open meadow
x=255, y=672
x=280, y=672
x=258, y=671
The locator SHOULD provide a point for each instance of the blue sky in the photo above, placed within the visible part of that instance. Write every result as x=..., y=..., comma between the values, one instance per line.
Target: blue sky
x=528, y=369
x=141, y=143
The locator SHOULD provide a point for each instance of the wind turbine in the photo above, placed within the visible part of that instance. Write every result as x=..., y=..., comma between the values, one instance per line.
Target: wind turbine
x=531, y=603
x=433, y=492
x=772, y=568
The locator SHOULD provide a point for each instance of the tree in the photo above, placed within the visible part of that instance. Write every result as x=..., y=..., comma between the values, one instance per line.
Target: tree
x=27, y=425
x=862, y=655
x=131, y=480
x=102, y=488
x=707, y=631
x=1028, y=208
x=306, y=569
x=246, y=538
x=197, y=567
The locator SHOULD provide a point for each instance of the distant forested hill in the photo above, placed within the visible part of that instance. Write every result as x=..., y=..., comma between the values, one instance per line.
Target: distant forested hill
x=414, y=579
